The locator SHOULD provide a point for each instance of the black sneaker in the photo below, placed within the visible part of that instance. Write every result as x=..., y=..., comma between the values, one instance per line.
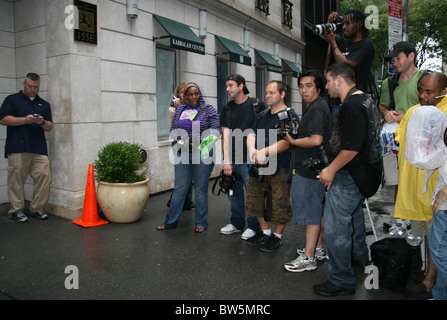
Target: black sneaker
x=259, y=238
x=272, y=244
x=41, y=215
x=328, y=289
x=19, y=216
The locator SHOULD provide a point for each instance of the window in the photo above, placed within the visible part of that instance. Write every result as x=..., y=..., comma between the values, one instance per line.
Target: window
x=287, y=13
x=263, y=6
x=166, y=82
x=260, y=83
x=222, y=75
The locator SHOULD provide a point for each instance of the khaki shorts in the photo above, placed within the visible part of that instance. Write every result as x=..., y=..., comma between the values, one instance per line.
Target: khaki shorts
x=421, y=228
x=281, y=207
x=391, y=169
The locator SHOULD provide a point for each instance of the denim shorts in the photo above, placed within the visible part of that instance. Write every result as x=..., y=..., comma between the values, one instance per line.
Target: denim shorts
x=307, y=200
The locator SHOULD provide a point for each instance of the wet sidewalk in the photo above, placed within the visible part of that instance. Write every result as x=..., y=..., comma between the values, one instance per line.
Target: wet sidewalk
x=137, y=262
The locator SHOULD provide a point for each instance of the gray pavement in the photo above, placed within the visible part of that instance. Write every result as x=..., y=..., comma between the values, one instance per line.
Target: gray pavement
x=136, y=262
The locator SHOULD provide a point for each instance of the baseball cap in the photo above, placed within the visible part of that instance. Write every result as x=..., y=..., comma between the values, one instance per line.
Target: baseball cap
x=398, y=48
x=240, y=80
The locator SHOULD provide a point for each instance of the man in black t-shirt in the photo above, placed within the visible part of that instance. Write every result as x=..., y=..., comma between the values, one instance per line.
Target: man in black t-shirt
x=355, y=48
x=236, y=117
x=307, y=192
x=344, y=220
x=269, y=200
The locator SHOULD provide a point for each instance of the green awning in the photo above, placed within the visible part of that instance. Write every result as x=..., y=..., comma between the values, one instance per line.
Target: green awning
x=232, y=51
x=177, y=35
x=264, y=58
x=291, y=67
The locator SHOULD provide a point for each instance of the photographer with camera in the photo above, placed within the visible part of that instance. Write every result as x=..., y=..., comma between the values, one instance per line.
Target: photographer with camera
x=237, y=116
x=307, y=192
x=349, y=176
x=356, y=48
x=269, y=200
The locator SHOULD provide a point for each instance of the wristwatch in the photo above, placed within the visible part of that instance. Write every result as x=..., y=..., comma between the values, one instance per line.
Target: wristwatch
x=43, y=122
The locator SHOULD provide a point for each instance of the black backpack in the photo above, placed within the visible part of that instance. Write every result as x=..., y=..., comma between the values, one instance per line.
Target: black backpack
x=392, y=257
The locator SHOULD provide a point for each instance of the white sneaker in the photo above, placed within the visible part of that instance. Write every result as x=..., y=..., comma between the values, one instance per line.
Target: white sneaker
x=229, y=229
x=320, y=253
x=248, y=233
x=300, y=264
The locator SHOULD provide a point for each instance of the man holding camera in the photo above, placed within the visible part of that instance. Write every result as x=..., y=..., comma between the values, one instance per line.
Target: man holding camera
x=307, y=192
x=236, y=117
x=355, y=48
x=269, y=200
x=348, y=174
x=27, y=117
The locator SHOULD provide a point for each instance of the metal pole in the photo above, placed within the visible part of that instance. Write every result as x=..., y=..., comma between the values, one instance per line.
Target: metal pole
x=405, y=20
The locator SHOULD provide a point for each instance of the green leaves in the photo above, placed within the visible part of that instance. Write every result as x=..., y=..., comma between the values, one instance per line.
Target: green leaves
x=120, y=162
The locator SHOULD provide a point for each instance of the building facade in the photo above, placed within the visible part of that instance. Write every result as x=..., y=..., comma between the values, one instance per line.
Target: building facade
x=109, y=75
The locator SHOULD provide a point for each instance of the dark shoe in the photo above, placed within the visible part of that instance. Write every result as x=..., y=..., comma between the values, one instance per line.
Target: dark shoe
x=419, y=292
x=19, y=216
x=272, y=244
x=328, y=289
x=41, y=215
x=259, y=238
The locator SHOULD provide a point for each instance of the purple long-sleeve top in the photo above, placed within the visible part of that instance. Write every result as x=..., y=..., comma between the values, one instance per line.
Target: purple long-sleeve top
x=207, y=122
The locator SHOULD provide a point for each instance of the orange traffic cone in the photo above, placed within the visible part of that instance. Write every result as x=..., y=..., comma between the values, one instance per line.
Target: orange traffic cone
x=90, y=217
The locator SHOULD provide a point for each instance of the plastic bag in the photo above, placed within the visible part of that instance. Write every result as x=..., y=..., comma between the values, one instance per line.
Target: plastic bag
x=425, y=148
x=388, y=133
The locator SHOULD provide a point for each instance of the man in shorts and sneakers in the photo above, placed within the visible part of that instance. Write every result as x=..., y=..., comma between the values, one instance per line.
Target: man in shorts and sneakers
x=307, y=192
x=272, y=194
x=236, y=117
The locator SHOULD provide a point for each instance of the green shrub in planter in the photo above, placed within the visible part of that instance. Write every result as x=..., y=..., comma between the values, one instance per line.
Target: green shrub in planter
x=120, y=162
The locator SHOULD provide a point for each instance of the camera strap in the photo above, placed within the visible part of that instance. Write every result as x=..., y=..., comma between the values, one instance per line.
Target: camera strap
x=268, y=208
x=219, y=180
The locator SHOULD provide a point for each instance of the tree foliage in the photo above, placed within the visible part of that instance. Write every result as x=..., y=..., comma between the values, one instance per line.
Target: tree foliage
x=427, y=28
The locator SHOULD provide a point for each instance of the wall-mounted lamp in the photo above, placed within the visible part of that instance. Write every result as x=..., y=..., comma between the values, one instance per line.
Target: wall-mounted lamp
x=202, y=24
x=247, y=41
x=276, y=52
x=132, y=9
x=298, y=61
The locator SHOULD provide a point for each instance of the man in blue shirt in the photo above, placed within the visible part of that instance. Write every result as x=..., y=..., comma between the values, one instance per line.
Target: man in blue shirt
x=27, y=117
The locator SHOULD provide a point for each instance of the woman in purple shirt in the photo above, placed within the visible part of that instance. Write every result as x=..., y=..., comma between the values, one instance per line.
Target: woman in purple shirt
x=195, y=127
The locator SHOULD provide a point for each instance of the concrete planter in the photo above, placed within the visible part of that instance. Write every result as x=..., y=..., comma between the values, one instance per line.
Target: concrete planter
x=123, y=202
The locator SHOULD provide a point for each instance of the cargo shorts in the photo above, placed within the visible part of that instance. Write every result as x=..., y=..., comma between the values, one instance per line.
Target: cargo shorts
x=281, y=207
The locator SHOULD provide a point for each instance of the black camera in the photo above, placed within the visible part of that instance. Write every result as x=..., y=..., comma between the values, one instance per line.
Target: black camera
x=445, y=137
x=253, y=169
x=287, y=124
x=227, y=184
x=317, y=163
x=336, y=27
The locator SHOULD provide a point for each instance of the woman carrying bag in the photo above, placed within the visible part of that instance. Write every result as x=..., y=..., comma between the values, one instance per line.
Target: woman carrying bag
x=195, y=127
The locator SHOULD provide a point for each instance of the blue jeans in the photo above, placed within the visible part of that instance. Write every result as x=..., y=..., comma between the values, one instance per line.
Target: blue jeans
x=185, y=172
x=238, y=201
x=438, y=249
x=344, y=228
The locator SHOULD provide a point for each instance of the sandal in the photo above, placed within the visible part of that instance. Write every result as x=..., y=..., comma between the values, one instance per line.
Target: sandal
x=199, y=229
x=162, y=227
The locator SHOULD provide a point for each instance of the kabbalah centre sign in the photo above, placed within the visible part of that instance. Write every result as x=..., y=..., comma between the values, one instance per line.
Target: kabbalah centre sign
x=187, y=45
x=87, y=23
